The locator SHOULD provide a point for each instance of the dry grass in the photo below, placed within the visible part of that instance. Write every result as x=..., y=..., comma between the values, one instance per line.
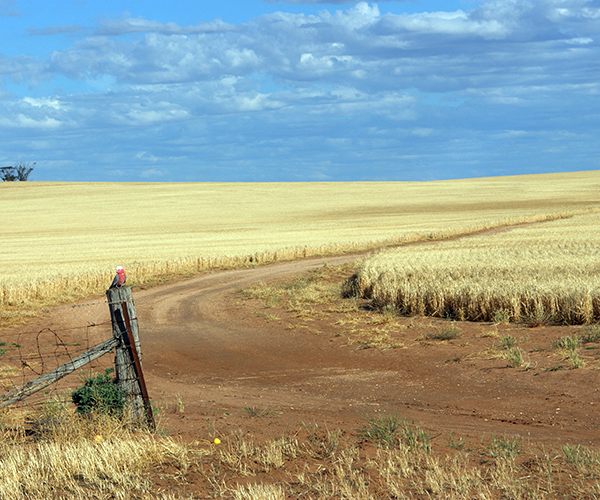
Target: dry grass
x=66, y=457
x=316, y=295
x=56, y=454
x=313, y=302
x=541, y=274
x=63, y=240
x=396, y=461
x=315, y=287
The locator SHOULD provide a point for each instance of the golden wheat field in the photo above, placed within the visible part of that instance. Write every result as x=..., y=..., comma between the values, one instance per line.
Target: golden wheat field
x=62, y=241
x=545, y=273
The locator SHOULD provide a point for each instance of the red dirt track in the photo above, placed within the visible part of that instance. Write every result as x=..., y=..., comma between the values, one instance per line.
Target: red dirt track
x=204, y=347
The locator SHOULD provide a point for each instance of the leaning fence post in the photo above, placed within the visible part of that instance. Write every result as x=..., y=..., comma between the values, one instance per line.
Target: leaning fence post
x=128, y=366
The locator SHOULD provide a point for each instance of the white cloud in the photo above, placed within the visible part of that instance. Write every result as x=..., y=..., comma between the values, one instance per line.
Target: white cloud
x=27, y=122
x=357, y=17
x=43, y=101
x=579, y=41
x=153, y=173
x=127, y=25
x=317, y=66
x=142, y=117
x=440, y=51
x=457, y=23
x=510, y=134
x=144, y=155
x=422, y=132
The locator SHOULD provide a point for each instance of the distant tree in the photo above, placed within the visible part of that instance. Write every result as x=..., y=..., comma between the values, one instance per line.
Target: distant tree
x=7, y=174
x=19, y=172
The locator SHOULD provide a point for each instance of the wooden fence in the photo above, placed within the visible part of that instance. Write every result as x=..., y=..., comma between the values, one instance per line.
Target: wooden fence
x=128, y=367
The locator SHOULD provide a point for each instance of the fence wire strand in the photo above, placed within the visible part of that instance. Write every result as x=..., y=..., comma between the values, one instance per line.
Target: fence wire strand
x=53, y=308
x=27, y=355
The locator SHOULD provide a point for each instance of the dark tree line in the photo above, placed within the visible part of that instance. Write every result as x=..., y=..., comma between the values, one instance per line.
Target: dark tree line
x=19, y=172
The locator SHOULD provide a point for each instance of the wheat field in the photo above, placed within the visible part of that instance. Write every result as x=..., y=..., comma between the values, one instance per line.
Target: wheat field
x=62, y=241
x=544, y=273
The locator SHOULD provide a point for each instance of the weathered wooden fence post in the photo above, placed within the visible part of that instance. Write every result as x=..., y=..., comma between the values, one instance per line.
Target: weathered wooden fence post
x=128, y=366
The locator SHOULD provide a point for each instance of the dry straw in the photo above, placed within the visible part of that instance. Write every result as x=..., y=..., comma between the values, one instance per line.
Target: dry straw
x=76, y=457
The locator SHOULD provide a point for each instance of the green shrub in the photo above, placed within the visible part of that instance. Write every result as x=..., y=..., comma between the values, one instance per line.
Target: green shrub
x=505, y=447
x=99, y=394
x=592, y=334
x=501, y=316
x=449, y=332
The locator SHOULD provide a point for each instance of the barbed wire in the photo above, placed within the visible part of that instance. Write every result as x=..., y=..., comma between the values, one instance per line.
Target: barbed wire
x=53, y=308
x=35, y=332
x=60, y=391
x=27, y=355
x=40, y=361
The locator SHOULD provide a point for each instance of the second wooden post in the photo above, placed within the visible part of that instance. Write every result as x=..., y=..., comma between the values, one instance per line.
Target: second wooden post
x=128, y=366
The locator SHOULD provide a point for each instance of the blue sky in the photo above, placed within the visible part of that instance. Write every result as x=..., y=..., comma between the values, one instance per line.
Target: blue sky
x=252, y=90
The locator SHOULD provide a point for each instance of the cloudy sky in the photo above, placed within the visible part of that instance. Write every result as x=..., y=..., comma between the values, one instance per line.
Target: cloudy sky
x=299, y=90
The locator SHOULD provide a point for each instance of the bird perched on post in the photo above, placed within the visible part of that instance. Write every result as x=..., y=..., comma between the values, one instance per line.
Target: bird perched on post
x=119, y=277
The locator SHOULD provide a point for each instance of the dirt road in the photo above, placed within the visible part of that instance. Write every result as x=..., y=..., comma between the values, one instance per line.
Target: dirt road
x=200, y=342
x=209, y=360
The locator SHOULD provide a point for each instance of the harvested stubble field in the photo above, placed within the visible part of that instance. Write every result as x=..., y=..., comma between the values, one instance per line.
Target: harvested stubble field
x=312, y=395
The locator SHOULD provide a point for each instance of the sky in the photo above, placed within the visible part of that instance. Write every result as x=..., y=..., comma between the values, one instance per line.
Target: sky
x=299, y=90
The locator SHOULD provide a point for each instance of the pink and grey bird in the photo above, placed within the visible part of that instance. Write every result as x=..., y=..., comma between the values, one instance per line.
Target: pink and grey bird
x=119, y=277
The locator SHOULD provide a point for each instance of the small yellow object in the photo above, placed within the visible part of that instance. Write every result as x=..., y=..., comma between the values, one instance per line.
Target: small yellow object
x=98, y=438
x=217, y=441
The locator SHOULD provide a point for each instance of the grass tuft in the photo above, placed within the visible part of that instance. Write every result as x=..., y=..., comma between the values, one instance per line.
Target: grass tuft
x=568, y=349
x=515, y=358
x=446, y=333
x=591, y=335
x=569, y=343
x=580, y=457
x=507, y=341
x=391, y=431
x=260, y=411
x=505, y=447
